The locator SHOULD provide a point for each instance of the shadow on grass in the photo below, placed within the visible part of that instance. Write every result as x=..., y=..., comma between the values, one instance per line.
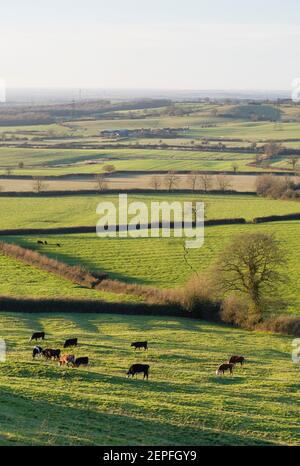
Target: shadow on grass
x=40, y=421
x=224, y=380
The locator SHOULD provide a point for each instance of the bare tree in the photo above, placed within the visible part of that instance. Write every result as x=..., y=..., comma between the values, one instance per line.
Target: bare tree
x=192, y=180
x=293, y=161
x=39, y=184
x=235, y=166
x=109, y=168
x=224, y=182
x=101, y=182
x=272, y=149
x=155, y=182
x=171, y=180
x=251, y=265
x=205, y=182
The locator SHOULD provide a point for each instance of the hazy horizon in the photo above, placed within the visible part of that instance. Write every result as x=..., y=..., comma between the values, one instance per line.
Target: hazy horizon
x=158, y=45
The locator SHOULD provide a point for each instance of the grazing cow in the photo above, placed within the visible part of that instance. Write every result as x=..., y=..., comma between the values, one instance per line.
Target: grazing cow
x=140, y=344
x=83, y=361
x=37, y=351
x=58, y=245
x=40, y=242
x=51, y=353
x=45, y=242
x=237, y=359
x=37, y=335
x=225, y=367
x=71, y=342
x=137, y=369
x=67, y=359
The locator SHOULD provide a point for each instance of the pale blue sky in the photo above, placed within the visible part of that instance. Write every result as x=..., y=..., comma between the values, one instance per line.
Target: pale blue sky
x=166, y=44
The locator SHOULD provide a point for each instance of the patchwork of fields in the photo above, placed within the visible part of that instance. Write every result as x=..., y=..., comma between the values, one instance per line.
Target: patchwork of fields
x=183, y=403
x=160, y=261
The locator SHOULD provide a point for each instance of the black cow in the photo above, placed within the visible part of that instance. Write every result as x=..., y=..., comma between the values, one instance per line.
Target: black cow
x=51, y=353
x=83, y=361
x=37, y=335
x=58, y=245
x=71, y=342
x=237, y=359
x=37, y=351
x=137, y=369
x=140, y=344
x=45, y=242
x=40, y=242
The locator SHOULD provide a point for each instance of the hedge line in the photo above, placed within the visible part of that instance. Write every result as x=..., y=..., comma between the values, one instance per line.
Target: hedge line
x=276, y=218
x=92, y=229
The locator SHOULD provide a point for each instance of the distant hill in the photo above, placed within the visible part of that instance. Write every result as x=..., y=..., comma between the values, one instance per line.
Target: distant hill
x=253, y=112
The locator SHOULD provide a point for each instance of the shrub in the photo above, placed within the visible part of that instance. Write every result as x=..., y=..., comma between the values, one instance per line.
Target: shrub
x=282, y=324
x=234, y=310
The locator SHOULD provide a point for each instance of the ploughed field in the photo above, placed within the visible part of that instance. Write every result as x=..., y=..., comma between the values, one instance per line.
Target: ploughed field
x=182, y=403
x=160, y=262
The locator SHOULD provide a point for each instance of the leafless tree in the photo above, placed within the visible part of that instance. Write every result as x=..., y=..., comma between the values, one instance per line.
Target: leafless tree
x=171, y=180
x=39, y=184
x=251, y=264
x=101, y=183
x=235, y=166
x=224, y=182
x=192, y=180
x=205, y=182
x=155, y=182
x=109, y=168
x=272, y=149
x=293, y=161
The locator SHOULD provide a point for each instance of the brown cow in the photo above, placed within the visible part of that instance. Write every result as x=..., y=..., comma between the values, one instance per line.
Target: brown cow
x=66, y=359
x=237, y=359
x=225, y=367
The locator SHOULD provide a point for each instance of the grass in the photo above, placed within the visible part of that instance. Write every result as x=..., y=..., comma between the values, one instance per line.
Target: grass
x=45, y=212
x=183, y=403
x=160, y=261
x=20, y=280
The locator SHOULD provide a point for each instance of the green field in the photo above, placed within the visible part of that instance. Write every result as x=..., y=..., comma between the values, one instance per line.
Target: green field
x=183, y=403
x=24, y=281
x=46, y=212
x=160, y=261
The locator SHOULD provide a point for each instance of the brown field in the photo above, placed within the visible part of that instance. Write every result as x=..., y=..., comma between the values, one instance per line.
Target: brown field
x=119, y=181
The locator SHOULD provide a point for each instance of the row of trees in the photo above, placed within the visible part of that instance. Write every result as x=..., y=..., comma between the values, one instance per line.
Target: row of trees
x=193, y=180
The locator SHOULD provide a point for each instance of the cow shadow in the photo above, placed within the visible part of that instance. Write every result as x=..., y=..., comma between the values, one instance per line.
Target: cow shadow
x=230, y=380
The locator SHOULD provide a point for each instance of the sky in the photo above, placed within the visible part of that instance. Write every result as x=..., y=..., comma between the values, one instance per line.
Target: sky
x=150, y=44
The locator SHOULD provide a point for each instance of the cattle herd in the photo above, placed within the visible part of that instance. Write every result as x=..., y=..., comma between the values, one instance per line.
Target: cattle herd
x=66, y=359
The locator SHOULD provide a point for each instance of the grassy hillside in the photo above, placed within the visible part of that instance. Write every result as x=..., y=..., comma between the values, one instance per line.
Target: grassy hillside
x=160, y=262
x=46, y=212
x=183, y=403
x=21, y=280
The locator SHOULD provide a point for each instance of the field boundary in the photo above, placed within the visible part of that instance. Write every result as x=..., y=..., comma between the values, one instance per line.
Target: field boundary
x=92, y=229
